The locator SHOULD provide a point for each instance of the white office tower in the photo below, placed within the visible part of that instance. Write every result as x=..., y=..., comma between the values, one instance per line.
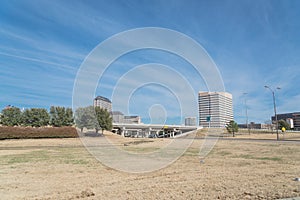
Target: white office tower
x=215, y=109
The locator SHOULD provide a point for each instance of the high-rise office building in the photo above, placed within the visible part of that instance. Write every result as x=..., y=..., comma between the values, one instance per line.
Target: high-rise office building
x=103, y=102
x=215, y=109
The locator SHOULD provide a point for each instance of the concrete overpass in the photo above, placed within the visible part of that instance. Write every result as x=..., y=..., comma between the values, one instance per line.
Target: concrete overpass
x=151, y=130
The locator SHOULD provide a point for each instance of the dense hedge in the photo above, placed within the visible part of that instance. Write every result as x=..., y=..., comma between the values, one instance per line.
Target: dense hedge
x=7, y=132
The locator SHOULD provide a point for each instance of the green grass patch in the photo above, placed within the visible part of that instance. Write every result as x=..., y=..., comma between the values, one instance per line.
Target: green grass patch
x=244, y=164
x=270, y=158
x=192, y=152
x=140, y=149
x=72, y=155
x=76, y=161
x=248, y=156
x=51, y=155
x=223, y=153
x=138, y=142
x=34, y=156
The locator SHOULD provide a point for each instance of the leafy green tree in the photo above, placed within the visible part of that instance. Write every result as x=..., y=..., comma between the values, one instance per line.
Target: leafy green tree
x=79, y=118
x=53, y=116
x=69, y=119
x=61, y=116
x=283, y=123
x=86, y=118
x=35, y=117
x=11, y=116
x=104, y=119
x=232, y=127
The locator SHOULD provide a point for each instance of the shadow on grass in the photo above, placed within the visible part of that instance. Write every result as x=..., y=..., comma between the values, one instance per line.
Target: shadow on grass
x=93, y=134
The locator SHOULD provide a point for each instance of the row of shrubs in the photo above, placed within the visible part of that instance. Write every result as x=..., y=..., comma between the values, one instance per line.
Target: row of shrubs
x=8, y=132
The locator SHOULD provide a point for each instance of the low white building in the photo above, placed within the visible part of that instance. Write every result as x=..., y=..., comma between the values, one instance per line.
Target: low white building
x=132, y=119
x=190, y=121
x=119, y=117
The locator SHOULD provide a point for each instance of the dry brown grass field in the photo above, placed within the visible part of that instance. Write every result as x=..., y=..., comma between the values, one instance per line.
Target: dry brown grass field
x=234, y=169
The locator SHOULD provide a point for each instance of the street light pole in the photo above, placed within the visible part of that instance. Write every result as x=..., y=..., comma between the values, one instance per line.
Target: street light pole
x=246, y=112
x=274, y=103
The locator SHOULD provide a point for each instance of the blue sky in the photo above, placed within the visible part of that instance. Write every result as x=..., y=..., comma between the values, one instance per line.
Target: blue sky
x=253, y=43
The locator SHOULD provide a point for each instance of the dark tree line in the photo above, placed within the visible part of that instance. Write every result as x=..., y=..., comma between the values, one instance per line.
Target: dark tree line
x=87, y=117
x=37, y=117
x=61, y=116
x=11, y=116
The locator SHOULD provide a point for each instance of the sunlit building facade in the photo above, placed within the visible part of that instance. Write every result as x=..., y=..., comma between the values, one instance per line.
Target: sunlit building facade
x=215, y=109
x=103, y=102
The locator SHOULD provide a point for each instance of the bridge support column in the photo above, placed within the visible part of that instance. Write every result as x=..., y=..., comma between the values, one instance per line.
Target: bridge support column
x=123, y=131
x=148, y=132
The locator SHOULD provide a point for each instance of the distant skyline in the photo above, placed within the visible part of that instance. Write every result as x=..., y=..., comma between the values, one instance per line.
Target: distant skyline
x=253, y=43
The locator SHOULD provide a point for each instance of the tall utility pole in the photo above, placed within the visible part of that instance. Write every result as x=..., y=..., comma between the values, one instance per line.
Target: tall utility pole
x=274, y=103
x=245, y=93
